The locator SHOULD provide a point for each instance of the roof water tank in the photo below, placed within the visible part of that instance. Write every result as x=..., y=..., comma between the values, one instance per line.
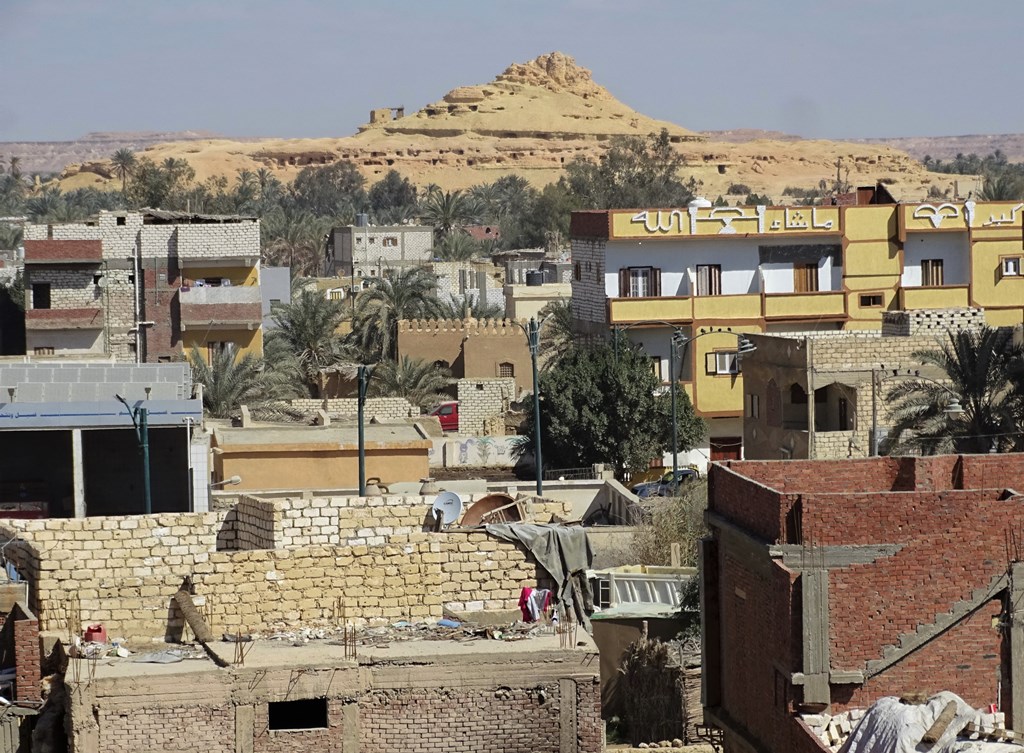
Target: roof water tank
x=534, y=278
x=362, y=219
x=701, y=202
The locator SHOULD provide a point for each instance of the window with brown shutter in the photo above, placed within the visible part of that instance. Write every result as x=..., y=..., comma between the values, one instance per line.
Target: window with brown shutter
x=639, y=282
x=805, y=278
x=931, y=272
x=709, y=279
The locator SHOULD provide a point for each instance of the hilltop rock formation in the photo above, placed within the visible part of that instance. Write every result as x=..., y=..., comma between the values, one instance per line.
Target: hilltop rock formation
x=531, y=120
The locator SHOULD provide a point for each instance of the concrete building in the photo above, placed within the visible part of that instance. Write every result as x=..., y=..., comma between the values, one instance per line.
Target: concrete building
x=327, y=565
x=372, y=250
x=471, y=349
x=68, y=447
x=275, y=289
x=527, y=301
x=849, y=373
x=143, y=286
x=785, y=269
x=460, y=281
x=830, y=584
x=318, y=457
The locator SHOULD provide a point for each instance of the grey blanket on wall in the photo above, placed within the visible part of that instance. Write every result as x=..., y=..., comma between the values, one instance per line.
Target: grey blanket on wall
x=561, y=550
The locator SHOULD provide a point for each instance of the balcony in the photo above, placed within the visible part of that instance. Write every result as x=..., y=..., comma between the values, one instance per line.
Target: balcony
x=684, y=308
x=946, y=297
x=231, y=307
x=826, y=304
x=84, y=318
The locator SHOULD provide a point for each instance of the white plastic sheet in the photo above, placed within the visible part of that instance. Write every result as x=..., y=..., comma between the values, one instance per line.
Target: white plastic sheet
x=893, y=727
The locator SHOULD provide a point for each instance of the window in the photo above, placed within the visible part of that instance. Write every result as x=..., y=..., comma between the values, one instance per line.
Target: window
x=639, y=282
x=506, y=369
x=390, y=241
x=43, y=350
x=294, y=715
x=805, y=278
x=931, y=272
x=577, y=273
x=40, y=295
x=656, y=367
x=373, y=240
x=723, y=362
x=1010, y=266
x=753, y=405
x=871, y=300
x=709, y=279
x=214, y=348
x=446, y=410
x=120, y=220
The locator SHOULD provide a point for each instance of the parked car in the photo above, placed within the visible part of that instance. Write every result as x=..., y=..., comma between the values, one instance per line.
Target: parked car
x=448, y=415
x=666, y=486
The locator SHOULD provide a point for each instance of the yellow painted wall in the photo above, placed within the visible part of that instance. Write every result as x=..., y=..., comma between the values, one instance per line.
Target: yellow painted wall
x=870, y=223
x=247, y=342
x=991, y=288
x=727, y=307
x=624, y=310
x=871, y=259
x=269, y=468
x=717, y=393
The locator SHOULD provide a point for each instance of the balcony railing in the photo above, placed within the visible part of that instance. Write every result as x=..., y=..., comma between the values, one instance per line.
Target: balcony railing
x=946, y=297
x=728, y=307
x=800, y=305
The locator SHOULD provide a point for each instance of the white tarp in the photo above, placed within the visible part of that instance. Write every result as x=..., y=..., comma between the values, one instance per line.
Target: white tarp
x=893, y=727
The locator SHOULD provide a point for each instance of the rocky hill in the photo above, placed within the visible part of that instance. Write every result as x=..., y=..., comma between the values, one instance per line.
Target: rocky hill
x=531, y=120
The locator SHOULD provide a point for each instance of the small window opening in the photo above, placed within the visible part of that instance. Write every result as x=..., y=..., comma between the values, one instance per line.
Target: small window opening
x=310, y=713
x=120, y=220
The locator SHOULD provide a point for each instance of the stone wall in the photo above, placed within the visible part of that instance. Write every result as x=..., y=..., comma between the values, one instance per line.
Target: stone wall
x=931, y=321
x=125, y=570
x=217, y=241
x=384, y=408
x=589, y=301
x=482, y=399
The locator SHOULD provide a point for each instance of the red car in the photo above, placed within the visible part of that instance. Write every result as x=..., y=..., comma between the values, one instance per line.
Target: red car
x=448, y=415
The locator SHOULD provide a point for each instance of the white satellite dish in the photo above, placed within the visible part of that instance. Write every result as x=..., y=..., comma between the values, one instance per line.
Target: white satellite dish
x=447, y=507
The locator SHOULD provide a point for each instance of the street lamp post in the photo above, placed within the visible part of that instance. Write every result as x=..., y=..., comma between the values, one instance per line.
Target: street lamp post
x=953, y=408
x=679, y=338
x=140, y=421
x=532, y=332
x=363, y=375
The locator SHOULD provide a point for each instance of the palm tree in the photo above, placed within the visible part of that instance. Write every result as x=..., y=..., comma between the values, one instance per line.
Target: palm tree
x=307, y=331
x=409, y=294
x=447, y=211
x=558, y=333
x=457, y=246
x=471, y=307
x=1002, y=187
x=419, y=382
x=979, y=368
x=124, y=162
x=295, y=239
x=15, y=169
x=230, y=382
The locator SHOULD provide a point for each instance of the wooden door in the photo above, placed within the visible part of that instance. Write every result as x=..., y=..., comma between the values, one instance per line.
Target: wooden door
x=805, y=278
x=726, y=448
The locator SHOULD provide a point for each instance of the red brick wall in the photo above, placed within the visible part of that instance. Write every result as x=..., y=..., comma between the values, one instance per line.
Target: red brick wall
x=861, y=475
x=756, y=508
x=191, y=729
x=299, y=741
x=160, y=306
x=26, y=656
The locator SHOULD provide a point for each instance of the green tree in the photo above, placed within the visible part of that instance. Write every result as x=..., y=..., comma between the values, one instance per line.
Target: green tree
x=307, y=331
x=636, y=172
x=421, y=383
x=470, y=306
x=123, y=161
x=599, y=409
x=558, y=331
x=980, y=367
x=390, y=193
x=230, y=382
x=159, y=186
x=408, y=294
x=1005, y=186
x=330, y=191
x=296, y=239
x=457, y=246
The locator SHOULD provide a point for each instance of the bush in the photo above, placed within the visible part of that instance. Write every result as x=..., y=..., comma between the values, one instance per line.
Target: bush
x=739, y=189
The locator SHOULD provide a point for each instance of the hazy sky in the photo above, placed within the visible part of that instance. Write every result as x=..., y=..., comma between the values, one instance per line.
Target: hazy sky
x=818, y=68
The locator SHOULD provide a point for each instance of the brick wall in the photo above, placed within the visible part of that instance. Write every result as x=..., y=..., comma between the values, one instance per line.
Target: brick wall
x=185, y=729
x=385, y=408
x=481, y=400
x=327, y=739
x=126, y=569
x=27, y=660
x=589, y=300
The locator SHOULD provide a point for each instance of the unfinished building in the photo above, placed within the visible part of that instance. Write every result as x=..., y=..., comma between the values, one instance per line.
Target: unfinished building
x=829, y=584
x=296, y=567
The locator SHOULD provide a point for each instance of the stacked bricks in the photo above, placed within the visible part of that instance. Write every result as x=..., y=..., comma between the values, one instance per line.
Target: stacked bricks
x=329, y=738
x=589, y=298
x=383, y=408
x=931, y=321
x=480, y=400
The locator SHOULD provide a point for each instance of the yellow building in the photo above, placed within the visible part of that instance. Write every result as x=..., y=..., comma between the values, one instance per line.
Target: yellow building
x=784, y=269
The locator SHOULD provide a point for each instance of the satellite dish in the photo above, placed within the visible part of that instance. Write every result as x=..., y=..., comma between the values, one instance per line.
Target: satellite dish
x=447, y=507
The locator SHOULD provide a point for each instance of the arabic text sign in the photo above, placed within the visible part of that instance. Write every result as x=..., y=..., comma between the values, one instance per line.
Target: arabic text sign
x=710, y=221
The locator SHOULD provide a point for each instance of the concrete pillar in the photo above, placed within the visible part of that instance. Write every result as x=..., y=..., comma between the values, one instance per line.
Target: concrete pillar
x=568, y=741
x=1016, y=645
x=78, y=472
x=816, y=660
x=350, y=733
x=244, y=728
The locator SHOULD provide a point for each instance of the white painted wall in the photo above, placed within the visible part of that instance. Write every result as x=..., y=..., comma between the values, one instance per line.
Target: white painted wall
x=65, y=341
x=778, y=278
x=738, y=259
x=952, y=248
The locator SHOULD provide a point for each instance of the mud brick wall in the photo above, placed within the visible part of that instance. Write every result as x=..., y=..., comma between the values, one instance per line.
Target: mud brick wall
x=192, y=729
